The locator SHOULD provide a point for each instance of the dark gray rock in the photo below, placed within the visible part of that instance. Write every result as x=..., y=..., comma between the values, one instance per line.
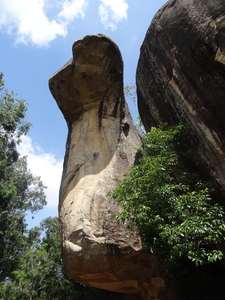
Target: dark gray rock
x=181, y=76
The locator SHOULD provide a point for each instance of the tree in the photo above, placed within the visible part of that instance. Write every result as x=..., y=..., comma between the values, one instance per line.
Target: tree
x=20, y=190
x=171, y=207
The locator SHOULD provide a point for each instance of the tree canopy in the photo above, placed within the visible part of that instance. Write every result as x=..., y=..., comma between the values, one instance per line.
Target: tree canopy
x=20, y=190
x=170, y=207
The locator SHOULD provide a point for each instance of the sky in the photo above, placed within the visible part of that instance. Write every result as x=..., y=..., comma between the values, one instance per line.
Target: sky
x=36, y=38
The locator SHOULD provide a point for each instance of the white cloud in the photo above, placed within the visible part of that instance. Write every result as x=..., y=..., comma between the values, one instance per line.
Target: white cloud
x=72, y=9
x=112, y=11
x=28, y=21
x=41, y=21
x=44, y=165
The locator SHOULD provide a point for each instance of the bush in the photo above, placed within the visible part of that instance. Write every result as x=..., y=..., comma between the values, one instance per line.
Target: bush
x=171, y=208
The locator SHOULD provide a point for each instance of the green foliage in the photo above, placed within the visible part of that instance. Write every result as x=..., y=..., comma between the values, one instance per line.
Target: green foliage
x=39, y=271
x=12, y=124
x=20, y=190
x=171, y=208
x=40, y=274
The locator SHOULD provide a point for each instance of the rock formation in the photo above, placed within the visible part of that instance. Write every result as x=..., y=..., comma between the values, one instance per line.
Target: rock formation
x=101, y=146
x=181, y=76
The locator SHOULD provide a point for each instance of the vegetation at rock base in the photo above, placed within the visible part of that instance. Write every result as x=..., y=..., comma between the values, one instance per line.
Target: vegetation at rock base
x=170, y=207
x=30, y=260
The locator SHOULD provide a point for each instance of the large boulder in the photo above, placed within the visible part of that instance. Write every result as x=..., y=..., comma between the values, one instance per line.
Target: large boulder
x=101, y=146
x=181, y=76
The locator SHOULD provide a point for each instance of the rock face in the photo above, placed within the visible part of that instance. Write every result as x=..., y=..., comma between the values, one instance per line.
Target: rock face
x=101, y=146
x=181, y=76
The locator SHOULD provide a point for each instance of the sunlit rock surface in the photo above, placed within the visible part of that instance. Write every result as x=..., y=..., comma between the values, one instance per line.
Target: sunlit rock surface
x=101, y=146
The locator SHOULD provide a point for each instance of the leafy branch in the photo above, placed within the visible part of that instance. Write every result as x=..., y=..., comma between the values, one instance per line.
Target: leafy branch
x=171, y=208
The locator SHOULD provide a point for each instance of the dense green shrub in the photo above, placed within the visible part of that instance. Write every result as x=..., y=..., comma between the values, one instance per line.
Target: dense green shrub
x=171, y=207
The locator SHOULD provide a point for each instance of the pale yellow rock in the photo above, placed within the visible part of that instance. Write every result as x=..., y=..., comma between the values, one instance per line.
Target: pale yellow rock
x=101, y=146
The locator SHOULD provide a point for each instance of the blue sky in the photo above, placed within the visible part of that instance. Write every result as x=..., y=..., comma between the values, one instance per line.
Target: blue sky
x=36, y=41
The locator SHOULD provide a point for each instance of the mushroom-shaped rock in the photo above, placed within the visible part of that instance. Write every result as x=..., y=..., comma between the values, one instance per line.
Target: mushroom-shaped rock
x=181, y=76
x=101, y=146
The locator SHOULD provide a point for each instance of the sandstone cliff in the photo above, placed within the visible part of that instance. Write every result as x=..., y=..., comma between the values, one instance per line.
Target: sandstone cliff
x=181, y=76
x=101, y=146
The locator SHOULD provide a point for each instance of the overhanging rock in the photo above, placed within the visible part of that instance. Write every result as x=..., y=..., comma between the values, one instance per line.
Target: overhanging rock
x=181, y=77
x=101, y=147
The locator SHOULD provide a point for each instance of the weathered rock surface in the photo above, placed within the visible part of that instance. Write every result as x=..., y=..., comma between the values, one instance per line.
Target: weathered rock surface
x=181, y=76
x=101, y=146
